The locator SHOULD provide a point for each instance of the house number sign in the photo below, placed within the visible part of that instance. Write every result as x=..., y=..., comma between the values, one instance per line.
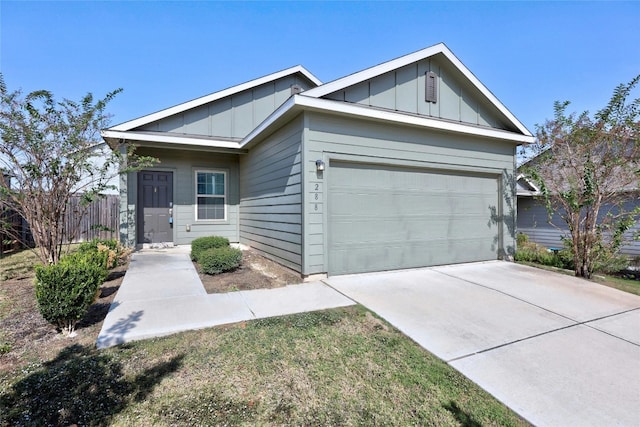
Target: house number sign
x=315, y=197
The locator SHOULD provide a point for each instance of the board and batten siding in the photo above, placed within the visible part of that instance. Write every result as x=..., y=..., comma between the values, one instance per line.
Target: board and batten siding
x=404, y=90
x=330, y=137
x=233, y=116
x=270, y=196
x=184, y=164
x=533, y=221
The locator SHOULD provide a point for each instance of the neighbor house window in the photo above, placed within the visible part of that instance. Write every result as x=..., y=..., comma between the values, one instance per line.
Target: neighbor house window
x=211, y=195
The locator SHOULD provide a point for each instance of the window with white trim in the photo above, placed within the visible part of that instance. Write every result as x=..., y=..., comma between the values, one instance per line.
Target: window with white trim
x=211, y=195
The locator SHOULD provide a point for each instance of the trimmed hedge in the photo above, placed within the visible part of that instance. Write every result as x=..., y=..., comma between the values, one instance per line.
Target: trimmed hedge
x=202, y=244
x=219, y=260
x=66, y=290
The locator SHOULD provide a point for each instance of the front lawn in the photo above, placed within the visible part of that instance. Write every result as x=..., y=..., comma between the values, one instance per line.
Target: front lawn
x=336, y=367
x=631, y=286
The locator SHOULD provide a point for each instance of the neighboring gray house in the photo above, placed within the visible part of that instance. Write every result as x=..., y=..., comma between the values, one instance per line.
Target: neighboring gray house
x=533, y=219
x=397, y=166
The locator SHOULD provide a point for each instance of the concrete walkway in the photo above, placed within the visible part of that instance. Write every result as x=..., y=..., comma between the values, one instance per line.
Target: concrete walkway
x=558, y=350
x=161, y=294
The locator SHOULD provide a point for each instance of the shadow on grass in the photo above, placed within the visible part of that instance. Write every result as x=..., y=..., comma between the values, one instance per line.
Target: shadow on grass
x=80, y=386
x=465, y=419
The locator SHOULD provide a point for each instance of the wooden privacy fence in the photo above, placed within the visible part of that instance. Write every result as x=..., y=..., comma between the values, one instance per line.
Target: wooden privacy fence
x=14, y=231
x=98, y=220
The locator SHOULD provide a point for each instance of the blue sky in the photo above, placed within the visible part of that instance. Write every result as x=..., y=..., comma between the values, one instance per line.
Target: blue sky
x=529, y=54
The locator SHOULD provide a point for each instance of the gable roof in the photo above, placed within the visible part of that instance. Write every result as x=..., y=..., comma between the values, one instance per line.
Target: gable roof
x=141, y=121
x=402, y=61
x=312, y=100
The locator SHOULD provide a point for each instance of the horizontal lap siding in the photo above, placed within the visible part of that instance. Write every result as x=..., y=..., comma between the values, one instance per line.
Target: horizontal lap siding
x=332, y=137
x=533, y=221
x=183, y=164
x=270, y=193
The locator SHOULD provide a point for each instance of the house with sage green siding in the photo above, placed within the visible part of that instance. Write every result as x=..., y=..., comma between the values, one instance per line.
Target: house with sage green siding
x=409, y=163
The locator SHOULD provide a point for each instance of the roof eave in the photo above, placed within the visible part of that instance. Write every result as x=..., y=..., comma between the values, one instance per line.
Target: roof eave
x=300, y=102
x=114, y=138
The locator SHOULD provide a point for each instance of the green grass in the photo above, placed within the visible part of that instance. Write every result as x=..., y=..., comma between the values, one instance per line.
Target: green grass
x=18, y=264
x=336, y=367
x=627, y=285
x=21, y=263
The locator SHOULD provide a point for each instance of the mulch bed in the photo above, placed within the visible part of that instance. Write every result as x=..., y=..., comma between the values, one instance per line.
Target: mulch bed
x=255, y=272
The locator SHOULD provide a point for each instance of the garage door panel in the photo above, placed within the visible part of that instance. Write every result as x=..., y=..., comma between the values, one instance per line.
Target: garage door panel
x=383, y=218
x=405, y=203
x=399, y=255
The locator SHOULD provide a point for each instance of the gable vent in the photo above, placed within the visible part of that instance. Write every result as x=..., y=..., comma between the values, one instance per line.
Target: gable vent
x=296, y=89
x=431, y=87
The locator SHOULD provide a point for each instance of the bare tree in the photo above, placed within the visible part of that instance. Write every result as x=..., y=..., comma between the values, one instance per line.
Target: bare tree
x=587, y=169
x=48, y=150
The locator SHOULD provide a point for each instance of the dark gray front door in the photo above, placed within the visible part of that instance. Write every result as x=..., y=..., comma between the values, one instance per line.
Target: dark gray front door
x=155, y=201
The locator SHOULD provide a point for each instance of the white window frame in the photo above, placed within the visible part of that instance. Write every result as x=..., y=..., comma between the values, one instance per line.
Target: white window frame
x=224, y=197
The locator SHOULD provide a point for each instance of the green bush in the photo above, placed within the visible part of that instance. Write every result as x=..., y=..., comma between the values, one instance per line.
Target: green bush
x=202, y=244
x=532, y=252
x=110, y=247
x=219, y=260
x=521, y=239
x=66, y=290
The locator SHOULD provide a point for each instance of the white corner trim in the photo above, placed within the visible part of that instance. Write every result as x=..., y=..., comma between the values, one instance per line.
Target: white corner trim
x=213, y=97
x=394, y=64
x=170, y=139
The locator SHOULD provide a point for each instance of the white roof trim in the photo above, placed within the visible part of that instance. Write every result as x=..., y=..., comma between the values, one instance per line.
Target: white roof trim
x=533, y=188
x=394, y=64
x=306, y=102
x=392, y=116
x=213, y=97
x=272, y=118
x=169, y=138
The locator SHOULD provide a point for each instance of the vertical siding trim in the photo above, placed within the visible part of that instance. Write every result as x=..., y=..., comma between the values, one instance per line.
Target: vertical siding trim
x=304, y=259
x=500, y=213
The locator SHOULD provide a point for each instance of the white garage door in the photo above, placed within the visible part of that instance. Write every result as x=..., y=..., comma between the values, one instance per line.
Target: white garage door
x=386, y=218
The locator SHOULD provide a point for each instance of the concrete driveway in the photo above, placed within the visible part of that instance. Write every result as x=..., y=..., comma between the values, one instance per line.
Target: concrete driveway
x=559, y=351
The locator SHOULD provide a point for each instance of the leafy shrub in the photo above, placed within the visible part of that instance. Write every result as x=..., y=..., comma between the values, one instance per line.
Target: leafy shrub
x=614, y=263
x=219, y=260
x=110, y=247
x=66, y=290
x=202, y=244
x=521, y=239
x=532, y=252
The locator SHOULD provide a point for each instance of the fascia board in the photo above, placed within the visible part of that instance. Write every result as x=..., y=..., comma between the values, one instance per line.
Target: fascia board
x=297, y=102
x=421, y=121
x=534, y=188
x=141, y=121
x=394, y=64
x=288, y=105
x=374, y=71
x=167, y=139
